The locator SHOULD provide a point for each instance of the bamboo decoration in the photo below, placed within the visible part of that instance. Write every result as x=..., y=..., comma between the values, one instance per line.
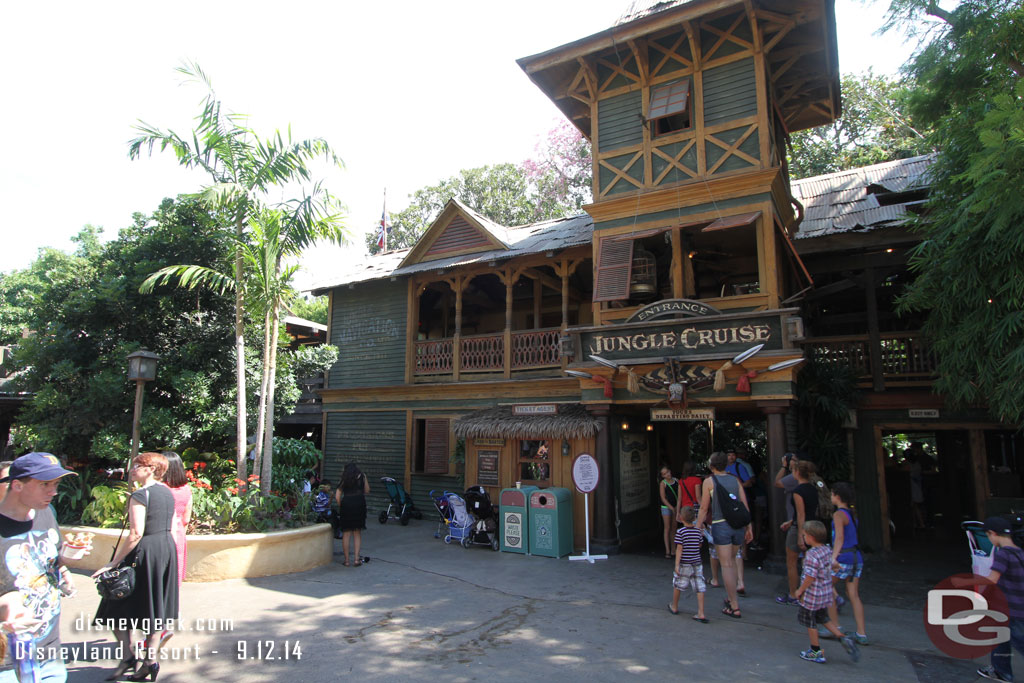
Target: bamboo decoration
x=737, y=361
x=720, y=375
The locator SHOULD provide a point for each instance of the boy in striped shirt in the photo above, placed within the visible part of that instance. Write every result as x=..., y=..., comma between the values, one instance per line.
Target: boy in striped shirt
x=689, y=572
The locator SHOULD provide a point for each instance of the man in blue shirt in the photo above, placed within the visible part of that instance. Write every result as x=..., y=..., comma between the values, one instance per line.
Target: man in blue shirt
x=740, y=469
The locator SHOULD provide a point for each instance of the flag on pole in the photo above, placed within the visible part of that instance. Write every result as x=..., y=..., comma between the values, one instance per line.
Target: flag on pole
x=382, y=229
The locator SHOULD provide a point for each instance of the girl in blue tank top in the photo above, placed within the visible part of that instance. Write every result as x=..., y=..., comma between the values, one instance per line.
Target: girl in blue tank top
x=847, y=561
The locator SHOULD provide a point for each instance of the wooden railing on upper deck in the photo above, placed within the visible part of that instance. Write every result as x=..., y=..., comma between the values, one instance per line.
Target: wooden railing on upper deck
x=904, y=358
x=485, y=353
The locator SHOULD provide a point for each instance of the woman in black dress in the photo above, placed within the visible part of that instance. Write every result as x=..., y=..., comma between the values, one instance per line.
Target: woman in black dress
x=154, y=602
x=351, y=499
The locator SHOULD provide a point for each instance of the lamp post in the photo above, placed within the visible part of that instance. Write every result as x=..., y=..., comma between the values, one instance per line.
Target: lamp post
x=142, y=369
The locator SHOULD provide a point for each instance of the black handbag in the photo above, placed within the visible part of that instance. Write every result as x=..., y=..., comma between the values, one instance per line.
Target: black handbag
x=118, y=583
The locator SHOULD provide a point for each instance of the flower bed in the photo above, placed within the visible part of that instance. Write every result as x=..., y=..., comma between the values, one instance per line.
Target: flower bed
x=215, y=557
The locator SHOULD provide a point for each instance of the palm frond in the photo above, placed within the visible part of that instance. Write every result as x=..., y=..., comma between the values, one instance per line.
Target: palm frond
x=189, y=277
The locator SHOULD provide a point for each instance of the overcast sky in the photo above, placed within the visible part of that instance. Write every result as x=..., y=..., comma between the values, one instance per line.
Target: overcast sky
x=407, y=92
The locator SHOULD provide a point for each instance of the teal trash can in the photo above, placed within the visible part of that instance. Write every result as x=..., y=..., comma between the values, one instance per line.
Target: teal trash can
x=550, y=522
x=514, y=512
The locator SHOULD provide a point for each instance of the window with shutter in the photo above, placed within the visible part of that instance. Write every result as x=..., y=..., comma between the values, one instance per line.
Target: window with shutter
x=669, y=109
x=613, y=270
x=435, y=460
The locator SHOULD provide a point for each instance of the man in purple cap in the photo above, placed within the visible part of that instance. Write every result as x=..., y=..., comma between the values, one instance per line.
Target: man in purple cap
x=30, y=544
x=1008, y=574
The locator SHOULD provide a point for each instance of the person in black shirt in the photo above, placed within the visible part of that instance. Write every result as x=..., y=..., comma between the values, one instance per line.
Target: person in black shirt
x=805, y=500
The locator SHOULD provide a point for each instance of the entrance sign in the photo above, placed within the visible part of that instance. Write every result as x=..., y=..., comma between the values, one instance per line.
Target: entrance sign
x=688, y=415
x=924, y=412
x=584, y=473
x=661, y=309
x=535, y=409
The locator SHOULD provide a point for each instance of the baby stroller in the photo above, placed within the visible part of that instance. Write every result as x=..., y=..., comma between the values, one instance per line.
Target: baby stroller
x=444, y=511
x=460, y=523
x=485, y=518
x=400, y=506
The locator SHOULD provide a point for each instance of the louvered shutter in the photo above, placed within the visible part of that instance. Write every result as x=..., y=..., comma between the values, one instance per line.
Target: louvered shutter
x=435, y=459
x=613, y=270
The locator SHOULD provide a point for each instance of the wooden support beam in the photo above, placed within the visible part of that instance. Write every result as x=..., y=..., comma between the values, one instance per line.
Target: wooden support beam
x=979, y=469
x=537, y=276
x=510, y=280
x=874, y=334
x=678, y=286
x=538, y=295
x=457, y=338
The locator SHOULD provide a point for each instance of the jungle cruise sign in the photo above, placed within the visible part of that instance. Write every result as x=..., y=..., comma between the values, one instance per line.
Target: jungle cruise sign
x=719, y=335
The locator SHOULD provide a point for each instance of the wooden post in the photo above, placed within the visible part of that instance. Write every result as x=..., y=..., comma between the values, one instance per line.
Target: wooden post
x=135, y=424
x=874, y=336
x=678, y=278
x=776, y=416
x=538, y=296
x=979, y=468
x=605, y=538
x=457, y=339
x=412, y=323
x=883, y=494
x=563, y=270
x=507, y=345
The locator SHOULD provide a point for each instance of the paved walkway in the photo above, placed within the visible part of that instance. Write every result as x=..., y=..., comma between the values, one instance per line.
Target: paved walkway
x=423, y=610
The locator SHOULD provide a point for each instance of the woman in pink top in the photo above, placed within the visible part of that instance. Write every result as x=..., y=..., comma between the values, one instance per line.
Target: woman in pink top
x=175, y=480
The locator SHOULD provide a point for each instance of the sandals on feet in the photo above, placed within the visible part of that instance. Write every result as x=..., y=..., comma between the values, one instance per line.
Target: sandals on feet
x=702, y=620
x=346, y=563
x=673, y=611
x=730, y=612
x=358, y=563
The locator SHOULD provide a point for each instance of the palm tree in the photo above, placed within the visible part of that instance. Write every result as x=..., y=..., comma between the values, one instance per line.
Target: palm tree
x=242, y=169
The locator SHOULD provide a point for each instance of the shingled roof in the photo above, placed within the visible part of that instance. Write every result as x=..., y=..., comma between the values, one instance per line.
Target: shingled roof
x=861, y=199
x=536, y=238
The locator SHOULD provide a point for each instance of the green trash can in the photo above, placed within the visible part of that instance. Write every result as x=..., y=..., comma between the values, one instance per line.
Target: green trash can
x=514, y=511
x=550, y=522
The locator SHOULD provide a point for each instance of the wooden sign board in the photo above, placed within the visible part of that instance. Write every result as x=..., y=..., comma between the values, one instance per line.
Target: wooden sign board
x=930, y=413
x=489, y=442
x=487, y=468
x=688, y=415
x=535, y=409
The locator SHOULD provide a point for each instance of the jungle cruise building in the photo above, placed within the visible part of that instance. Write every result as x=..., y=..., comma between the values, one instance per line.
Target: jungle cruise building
x=495, y=354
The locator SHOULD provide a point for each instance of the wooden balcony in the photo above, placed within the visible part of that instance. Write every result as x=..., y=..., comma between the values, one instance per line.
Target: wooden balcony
x=901, y=359
x=309, y=407
x=486, y=353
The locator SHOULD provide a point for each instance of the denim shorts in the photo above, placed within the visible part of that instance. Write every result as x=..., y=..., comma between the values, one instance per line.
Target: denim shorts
x=723, y=534
x=848, y=572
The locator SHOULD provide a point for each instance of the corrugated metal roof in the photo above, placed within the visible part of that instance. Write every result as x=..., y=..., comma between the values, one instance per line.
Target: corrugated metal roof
x=847, y=201
x=535, y=238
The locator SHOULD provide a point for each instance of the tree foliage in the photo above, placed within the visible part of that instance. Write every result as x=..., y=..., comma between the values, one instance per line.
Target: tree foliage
x=310, y=308
x=875, y=127
x=554, y=185
x=970, y=262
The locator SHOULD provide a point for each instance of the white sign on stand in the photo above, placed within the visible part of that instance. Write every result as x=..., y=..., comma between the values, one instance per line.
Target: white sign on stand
x=585, y=476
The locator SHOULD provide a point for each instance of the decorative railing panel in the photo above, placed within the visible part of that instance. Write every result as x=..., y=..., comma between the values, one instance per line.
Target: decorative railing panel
x=481, y=353
x=904, y=356
x=434, y=356
x=535, y=349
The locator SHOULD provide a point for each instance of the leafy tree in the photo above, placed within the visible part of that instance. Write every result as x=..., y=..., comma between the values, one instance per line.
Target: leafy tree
x=243, y=169
x=970, y=262
x=875, y=127
x=554, y=185
x=310, y=308
x=87, y=316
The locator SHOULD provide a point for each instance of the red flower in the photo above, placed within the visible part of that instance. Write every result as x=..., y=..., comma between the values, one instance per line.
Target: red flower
x=238, y=481
x=232, y=490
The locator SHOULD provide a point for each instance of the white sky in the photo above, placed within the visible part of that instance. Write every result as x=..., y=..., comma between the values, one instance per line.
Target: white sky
x=407, y=92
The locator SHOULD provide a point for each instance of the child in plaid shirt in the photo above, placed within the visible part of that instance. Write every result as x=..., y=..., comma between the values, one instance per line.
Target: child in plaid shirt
x=815, y=594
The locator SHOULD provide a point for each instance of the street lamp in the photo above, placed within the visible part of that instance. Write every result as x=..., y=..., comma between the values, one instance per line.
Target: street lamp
x=142, y=369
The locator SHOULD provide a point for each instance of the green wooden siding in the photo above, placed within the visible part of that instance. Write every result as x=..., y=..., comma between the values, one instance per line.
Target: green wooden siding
x=750, y=146
x=689, y=160
x=709, y=39
x=374, y=441
x=618, y=121
x=626, y=62
x=730, y=92
x=671, y=65
x=368, y=327
x=636, y=172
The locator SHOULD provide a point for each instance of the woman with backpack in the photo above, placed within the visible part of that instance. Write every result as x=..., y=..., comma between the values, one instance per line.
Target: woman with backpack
x=725, y=510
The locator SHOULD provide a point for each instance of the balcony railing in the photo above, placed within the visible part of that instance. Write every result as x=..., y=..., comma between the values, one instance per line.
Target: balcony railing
x=903, y=357
x=485, y=353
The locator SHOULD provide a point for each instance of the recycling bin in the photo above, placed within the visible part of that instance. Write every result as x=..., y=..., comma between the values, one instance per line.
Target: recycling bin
x=550, y=522
x=514, y=511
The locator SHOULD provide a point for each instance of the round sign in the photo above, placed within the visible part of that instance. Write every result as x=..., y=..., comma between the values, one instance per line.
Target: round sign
x=584, y=473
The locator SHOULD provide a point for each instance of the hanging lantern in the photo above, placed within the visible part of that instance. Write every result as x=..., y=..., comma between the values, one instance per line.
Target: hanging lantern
x=643, y=283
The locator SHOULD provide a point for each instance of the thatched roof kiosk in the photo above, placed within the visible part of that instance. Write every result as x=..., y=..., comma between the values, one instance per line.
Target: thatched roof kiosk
x=571, y=422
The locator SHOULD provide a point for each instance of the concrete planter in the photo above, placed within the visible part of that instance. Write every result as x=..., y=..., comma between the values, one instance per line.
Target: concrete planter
x=216, y=557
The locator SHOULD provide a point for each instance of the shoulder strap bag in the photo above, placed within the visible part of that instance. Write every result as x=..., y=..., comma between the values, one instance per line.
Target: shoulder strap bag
x=119, y=583
x=733, y=510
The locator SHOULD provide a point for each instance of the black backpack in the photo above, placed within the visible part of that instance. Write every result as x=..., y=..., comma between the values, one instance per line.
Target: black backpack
x=733, y=510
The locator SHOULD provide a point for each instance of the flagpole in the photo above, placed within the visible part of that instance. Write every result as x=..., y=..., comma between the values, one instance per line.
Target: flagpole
x=384, y=219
